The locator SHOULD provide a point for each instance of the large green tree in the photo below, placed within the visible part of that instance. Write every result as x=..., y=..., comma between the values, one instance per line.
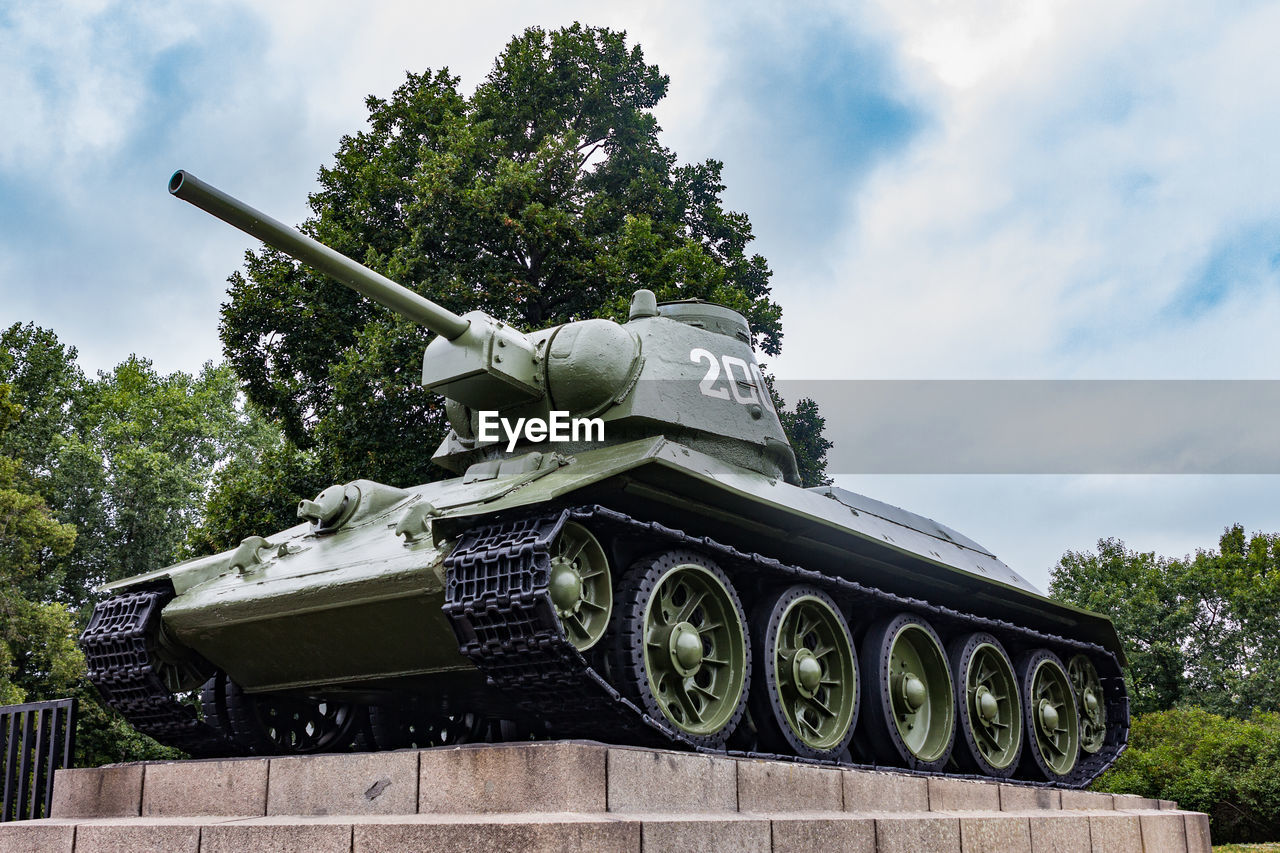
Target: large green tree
x=134, y=469
x=99, y=479
x=1202, y=630
x=542, y=198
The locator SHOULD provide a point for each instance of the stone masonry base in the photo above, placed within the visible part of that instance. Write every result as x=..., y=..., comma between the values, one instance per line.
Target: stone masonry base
x=570, y=795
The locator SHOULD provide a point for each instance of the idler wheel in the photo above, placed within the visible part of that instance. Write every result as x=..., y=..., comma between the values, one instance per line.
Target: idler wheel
x=1049, y=716
x=805, y=695
x=910, y=702
x=987, y=700
x=680, y=647
x=1090, y=705
x=581, y=585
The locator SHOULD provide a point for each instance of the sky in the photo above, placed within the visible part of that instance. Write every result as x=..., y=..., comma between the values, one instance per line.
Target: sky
x=1033, y=189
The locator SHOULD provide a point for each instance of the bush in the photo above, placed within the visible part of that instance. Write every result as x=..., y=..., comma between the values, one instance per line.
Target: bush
x=1229, y=769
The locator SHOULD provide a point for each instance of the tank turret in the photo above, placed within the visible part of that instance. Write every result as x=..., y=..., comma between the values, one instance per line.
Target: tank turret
x=684, y=369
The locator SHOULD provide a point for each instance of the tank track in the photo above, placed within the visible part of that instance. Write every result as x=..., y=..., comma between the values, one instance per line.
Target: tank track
x=119, y=648
x=498, y=602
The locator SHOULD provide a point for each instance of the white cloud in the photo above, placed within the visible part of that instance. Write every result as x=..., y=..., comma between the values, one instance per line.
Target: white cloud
x=1079, y=177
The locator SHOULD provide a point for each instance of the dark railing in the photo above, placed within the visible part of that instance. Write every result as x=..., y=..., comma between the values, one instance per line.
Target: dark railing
x=35, y=740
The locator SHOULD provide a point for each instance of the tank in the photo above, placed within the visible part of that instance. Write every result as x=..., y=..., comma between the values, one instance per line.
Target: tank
x=625, y=554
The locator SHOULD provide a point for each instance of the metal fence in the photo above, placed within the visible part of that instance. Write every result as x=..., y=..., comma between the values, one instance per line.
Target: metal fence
x=35, y=740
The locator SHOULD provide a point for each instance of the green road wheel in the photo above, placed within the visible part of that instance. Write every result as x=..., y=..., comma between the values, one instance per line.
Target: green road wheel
x=909, y=696
x=1049, y=715
x=987, y=701
x=581, y=585
x=1090, y=706
x=680, y=646
x=805, y=692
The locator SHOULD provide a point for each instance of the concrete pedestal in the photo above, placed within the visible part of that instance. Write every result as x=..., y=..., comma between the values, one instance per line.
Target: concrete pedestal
x=564, y=796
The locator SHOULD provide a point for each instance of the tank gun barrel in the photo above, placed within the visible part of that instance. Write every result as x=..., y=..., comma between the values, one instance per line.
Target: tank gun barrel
x=294, y=243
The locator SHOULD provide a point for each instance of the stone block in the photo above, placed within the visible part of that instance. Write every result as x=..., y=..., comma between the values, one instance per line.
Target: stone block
x=653, y=781
x=1016, y=798
x=1168, y=805
x=98, y=792
x=36, y=836
x=1197, y=829
x=870, y=791
x=536, y=833
x=706, y=834
x=1059, y=833
x=1087, y=801
x=205, y=788
x=963, y=795
x=775, y=786
x=1164, y=832
x=819, y=834
x=535, y=777
x=138, y=837
x=1115, y=833
x=913, y=833
x=265, y=835
x=995, y=834
x=1134, y=802
x=355, y=784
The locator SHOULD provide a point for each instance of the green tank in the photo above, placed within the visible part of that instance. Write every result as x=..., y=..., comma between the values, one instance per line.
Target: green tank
x=635, y=563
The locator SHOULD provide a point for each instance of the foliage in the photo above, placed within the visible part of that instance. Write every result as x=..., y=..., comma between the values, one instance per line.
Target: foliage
x=134, y=470
x=804, y=428
x=1228, y=768
x=98, y=479
x=1202, y=630
x=34, y=638
x=256, y=491
x=544, y=197
x=43, y=379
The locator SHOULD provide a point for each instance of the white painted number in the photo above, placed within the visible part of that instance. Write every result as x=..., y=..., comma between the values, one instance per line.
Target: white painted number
x=739, y=374
x=708, y=384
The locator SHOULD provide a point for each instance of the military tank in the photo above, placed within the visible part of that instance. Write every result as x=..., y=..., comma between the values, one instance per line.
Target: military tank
x=635, y=561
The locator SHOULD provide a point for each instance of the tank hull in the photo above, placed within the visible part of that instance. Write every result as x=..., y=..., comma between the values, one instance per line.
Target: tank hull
x=361, y=608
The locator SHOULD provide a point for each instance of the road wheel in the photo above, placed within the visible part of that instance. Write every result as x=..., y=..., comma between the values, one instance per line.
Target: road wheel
x=1049, y=716
x=909, y=699
x=581, y=585
x=268, y=724
x=805, y=693
x=1090, y=705
x=988, y=707
x=680, y=647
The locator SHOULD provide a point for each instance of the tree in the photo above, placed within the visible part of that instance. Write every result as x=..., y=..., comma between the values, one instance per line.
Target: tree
x=1203, y=630
x=34, y=638
x=1140, y=592
x=44, y=379
x=543, y=198
x=134, y=469
x=127, y=459
x=1229, y=769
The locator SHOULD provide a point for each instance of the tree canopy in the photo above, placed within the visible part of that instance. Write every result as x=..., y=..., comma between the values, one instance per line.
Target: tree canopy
x=543, y=197
x=99, y=479
x=1202, y=630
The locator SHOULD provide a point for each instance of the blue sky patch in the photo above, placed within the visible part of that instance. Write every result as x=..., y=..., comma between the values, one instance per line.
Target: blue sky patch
x=810, y=113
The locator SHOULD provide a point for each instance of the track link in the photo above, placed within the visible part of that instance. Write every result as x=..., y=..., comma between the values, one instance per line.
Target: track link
x=119, y=647
x=498, y=602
